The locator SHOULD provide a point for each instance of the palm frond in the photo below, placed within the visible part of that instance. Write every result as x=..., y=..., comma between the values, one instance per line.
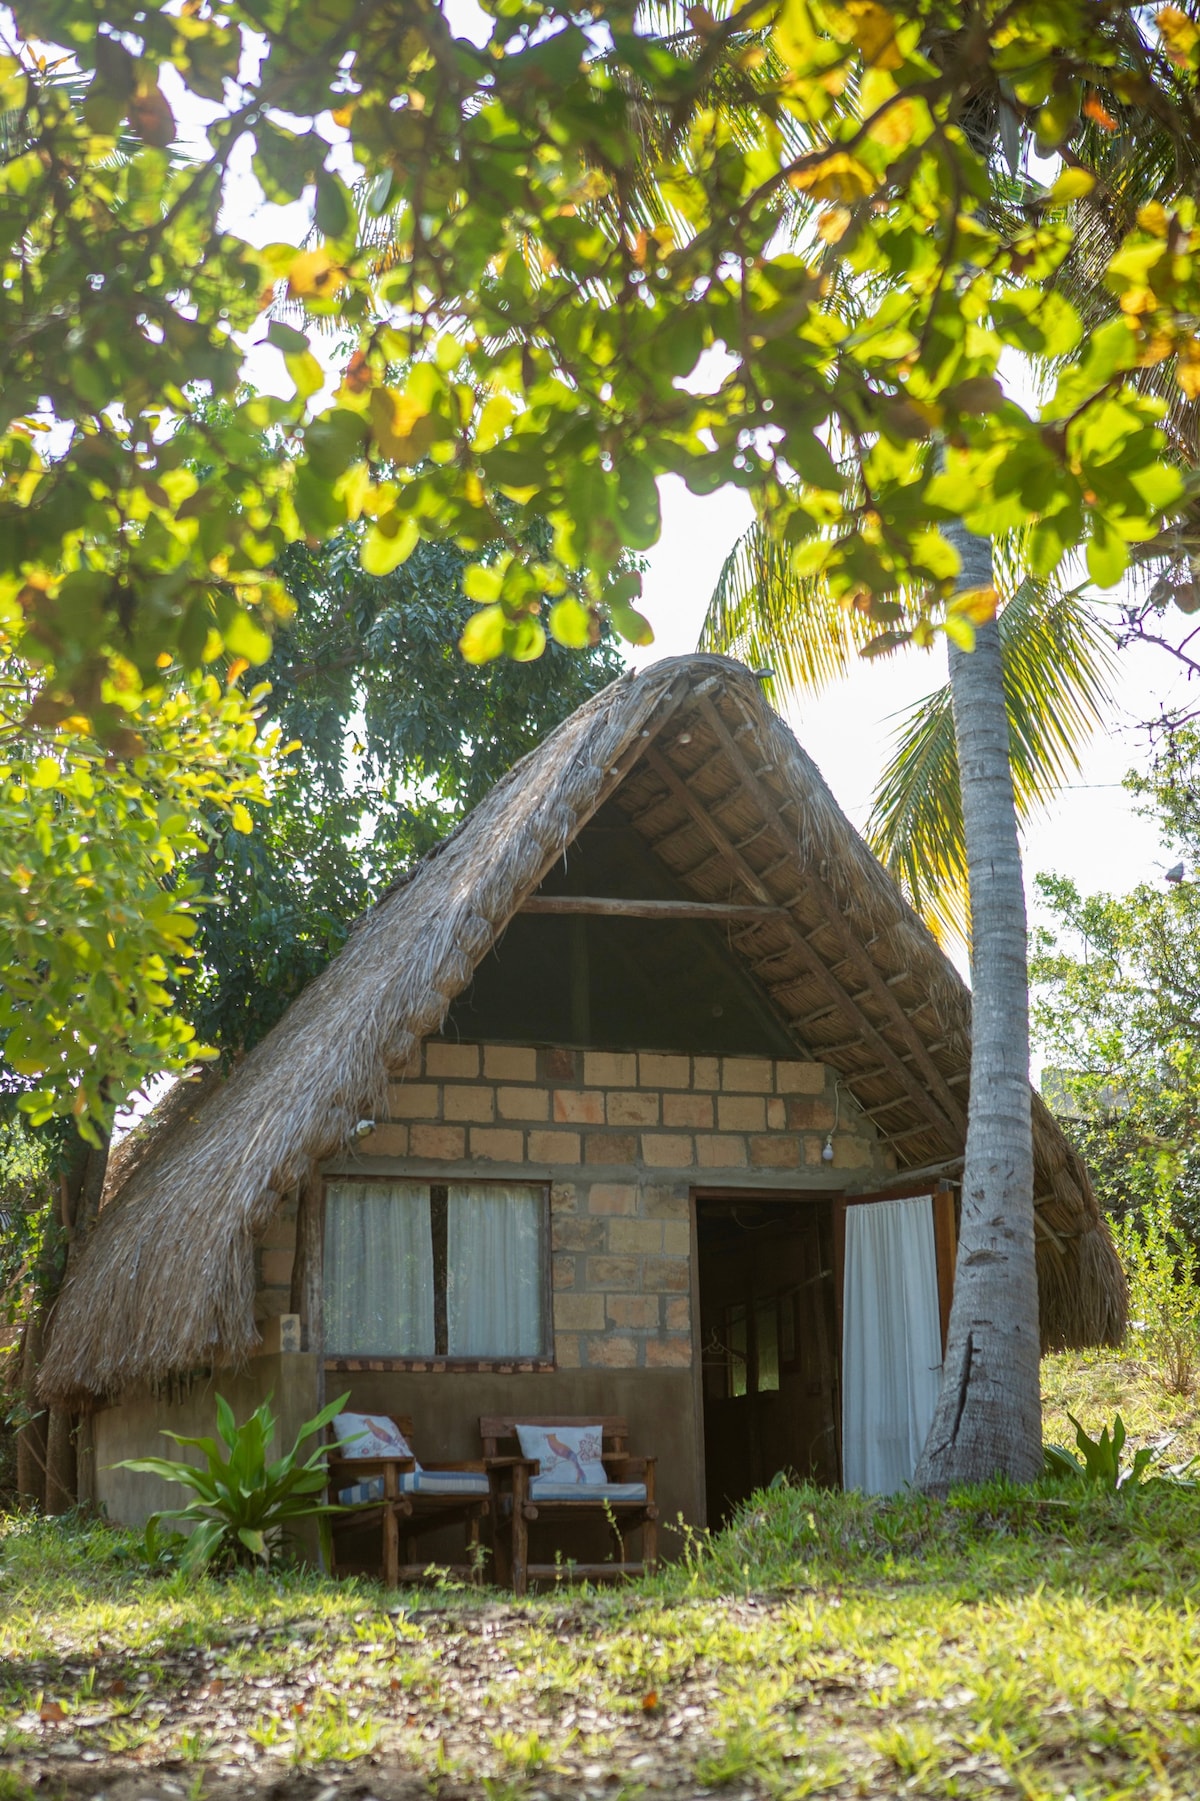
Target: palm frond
x=1058, y=670
x=768, y=617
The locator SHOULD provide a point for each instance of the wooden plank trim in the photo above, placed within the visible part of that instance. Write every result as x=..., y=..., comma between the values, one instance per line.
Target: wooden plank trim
x=815, y=963
x=827, y=902
x=621, y=907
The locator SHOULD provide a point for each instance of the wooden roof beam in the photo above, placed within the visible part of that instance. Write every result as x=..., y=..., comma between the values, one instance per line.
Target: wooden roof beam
x=816, y=964
x=604, y=906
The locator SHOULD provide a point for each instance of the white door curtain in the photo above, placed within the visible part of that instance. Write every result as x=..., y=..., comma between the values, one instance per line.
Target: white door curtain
x=891, y=1342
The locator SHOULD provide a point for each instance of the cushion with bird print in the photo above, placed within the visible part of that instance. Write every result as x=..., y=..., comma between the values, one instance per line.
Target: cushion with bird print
x=369, y=1435
x=567, y=1454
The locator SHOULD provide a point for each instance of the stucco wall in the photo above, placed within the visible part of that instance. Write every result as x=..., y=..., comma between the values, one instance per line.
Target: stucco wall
x=135, y=1427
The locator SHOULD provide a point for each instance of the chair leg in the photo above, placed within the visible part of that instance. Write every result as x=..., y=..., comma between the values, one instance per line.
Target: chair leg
x=650, y=1546
x=391, y=1548
x=520, y=1550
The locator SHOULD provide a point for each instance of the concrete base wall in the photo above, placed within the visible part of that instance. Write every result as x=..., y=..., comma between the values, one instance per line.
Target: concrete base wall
x=135, y=1426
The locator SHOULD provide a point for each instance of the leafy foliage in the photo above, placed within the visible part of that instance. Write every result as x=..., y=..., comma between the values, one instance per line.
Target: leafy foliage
x=1163, y=1266
x=393, y=738
x=243, y=1503
x=1100, y=1461
x=1117, y=1008
x=97, y=910
x=550, y=332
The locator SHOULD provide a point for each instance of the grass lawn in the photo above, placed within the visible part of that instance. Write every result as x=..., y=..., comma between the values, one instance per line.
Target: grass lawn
x=1008, y=1643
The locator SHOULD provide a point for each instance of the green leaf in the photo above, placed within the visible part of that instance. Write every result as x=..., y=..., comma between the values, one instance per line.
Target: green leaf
x=383, y=550
x=1107, y=555
x=571, y=623
x=482, y=640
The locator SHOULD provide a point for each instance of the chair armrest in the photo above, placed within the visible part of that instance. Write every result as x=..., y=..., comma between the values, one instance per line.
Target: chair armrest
x=477, y=1464
x=508, y=1463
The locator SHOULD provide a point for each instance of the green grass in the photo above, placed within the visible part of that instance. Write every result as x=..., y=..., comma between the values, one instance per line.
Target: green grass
x=1030, y=1643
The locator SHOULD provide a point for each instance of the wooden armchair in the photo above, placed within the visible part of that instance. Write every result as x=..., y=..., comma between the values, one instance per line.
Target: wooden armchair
x=625, y=1502
x=408, y=1500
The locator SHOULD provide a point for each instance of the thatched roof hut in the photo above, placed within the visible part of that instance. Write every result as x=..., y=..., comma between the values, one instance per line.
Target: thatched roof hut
x=729, y=804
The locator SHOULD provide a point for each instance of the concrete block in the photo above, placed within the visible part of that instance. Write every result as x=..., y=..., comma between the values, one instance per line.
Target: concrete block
x=579, y=1312
x=851, y=1153
x=741, y=1113
x=677, y=1237
x=385, y=1141
x=669, y=1353
x=579, y=1106
x=553, y=1147
x=747, y=1075
x=775, y=1150
x=800, y=1078
x=277, y=1269
x=717, y=1150
x=678, y=1314
x=655, y=1071
x=612, y=1197
x=458, y=1061
x=509, y=1063
x=563, y=1270
x=561, y=1065
x=628, y=1108
x=611, y=1148
x=694, y=1110
x=522, y=1103
x=706, y=1072
x=635, y=1236
x=669, y=1274
x=612, y=1352
x=668, y=1150
x=469, y=1102
x=564, y=1198
x=610, y=1069
x=568, y=1234
x=500, y=1144
x=566, y=1350
x=414, y=1100
x=640, y=1312
x=437, y=1141
x=809, y=1114
x=776, y=1114
x=611, y=1272
x=661, y=1201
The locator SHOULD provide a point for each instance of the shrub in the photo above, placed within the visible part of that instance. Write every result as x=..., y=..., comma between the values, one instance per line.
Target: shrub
x=1163, y=1267
x=1100, y=1461
x=243, y=1505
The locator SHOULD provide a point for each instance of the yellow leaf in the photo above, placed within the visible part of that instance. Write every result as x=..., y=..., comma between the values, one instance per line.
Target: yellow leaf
x=1154, y=218
x=831, y=225
x=1072, y=184
x=839, y=177
x=976, y=604
x=1187, y=372
x=242, y=821
x=400, y=426
x=895, y=127
x=875, y=33
x=314, y=272
x=483, y=637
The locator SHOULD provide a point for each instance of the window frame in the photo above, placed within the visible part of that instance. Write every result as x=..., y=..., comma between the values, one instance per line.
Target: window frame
x=544, y=1359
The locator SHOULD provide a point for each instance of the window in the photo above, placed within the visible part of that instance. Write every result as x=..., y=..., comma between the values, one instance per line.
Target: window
x=414, y=1269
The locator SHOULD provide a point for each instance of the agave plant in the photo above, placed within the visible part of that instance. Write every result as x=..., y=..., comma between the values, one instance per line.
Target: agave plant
x=244, y=1505
x=1100, y=1463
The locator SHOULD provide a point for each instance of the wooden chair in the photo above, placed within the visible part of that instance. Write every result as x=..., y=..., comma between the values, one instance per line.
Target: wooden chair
x=518, y=1504
x=408, y=1500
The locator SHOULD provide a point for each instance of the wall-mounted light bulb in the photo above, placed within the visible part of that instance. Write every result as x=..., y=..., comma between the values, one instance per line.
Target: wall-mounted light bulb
x=827, y=1149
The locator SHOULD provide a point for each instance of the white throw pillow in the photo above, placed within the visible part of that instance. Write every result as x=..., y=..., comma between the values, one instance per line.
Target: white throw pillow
x=370, y=1435
x=567, y=1454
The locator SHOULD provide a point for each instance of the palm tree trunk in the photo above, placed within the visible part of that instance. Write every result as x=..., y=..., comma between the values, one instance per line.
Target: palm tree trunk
x=988, y=1418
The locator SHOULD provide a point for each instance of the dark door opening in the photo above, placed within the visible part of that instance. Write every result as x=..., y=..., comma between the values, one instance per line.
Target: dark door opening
x=769, y=1369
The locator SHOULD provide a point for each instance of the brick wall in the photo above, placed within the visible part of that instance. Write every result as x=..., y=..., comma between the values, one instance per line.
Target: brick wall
x=622, y=1137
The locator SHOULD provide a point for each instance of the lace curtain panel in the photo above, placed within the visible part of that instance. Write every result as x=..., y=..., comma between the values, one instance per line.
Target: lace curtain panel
x=494, y=1271
x=891, y=1342
x=406, y=1278
x=378, y=1270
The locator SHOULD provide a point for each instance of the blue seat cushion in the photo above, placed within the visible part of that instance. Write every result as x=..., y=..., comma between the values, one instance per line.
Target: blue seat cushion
x=543, y=1489
x=417, y=1482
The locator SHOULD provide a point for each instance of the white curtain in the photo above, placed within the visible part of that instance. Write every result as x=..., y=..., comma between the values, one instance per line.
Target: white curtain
x=378, y=1269
x=494, y=1271
x=891, y=1342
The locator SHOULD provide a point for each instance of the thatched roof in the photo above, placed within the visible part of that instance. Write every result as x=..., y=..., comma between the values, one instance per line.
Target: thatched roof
x=719, y=789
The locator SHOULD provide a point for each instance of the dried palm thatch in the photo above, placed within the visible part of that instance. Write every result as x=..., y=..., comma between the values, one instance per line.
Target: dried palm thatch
x=719, y=789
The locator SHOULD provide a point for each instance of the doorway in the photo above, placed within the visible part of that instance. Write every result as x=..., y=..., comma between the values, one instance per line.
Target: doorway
x=768, y=1367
